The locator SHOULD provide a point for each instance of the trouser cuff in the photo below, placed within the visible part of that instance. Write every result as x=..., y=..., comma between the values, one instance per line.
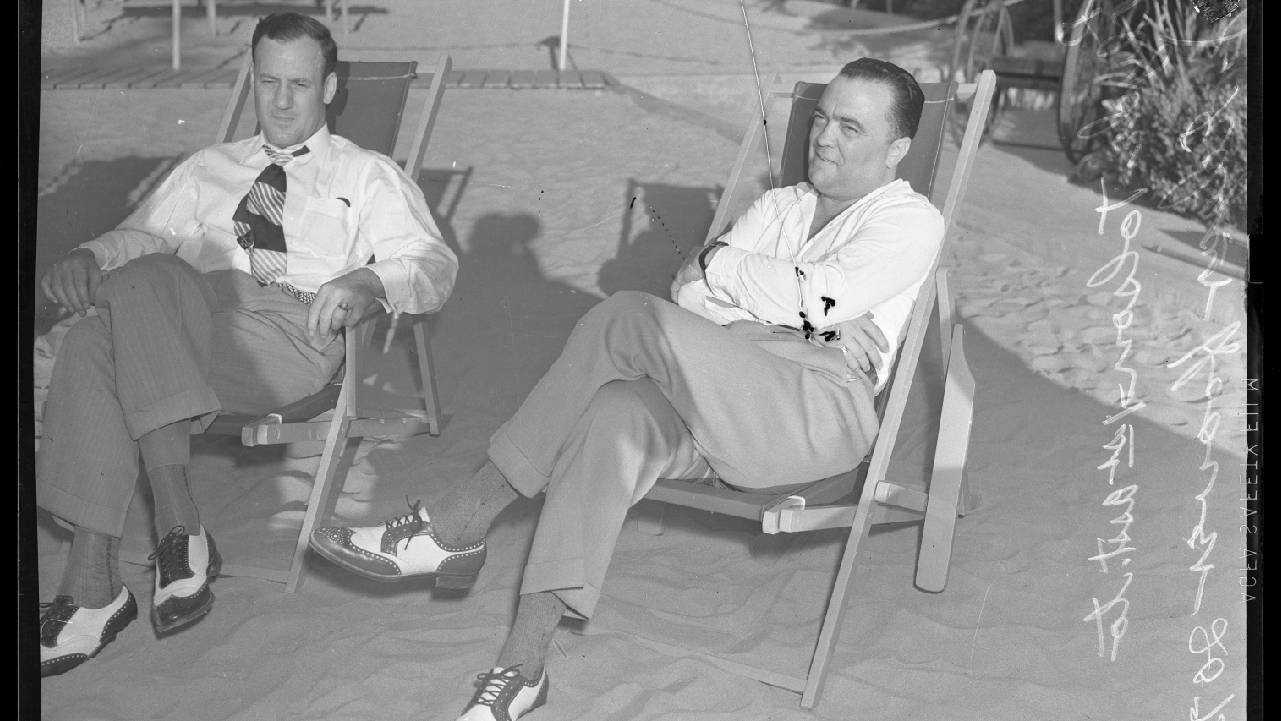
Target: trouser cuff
x=200, y=404
x=515, y=466
x=565, y=579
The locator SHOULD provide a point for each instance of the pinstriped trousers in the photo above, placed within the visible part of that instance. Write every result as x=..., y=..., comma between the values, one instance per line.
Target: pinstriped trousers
x=646, y=390
x=168, y=344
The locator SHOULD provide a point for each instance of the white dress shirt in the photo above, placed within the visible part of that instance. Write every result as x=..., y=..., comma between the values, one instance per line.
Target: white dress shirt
x=873, y=256
x=343, y=204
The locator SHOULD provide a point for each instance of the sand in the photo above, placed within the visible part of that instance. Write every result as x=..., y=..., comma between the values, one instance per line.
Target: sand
x=535, y=191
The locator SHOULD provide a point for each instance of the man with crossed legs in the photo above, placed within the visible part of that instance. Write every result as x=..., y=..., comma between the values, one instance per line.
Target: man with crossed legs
x=224, y=291
x=763, y=372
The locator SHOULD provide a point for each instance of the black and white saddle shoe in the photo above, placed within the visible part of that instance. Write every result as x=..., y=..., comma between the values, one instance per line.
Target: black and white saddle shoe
x=505, y=695
x=185, y=565
x=400, y=548
x=71, y=634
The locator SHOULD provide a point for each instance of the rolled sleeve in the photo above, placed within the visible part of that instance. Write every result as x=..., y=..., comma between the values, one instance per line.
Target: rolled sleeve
x=416, y=267
x=161, y=224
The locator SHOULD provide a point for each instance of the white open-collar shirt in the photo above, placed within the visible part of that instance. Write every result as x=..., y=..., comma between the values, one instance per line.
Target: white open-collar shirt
x=343, y=205
x=872, y=257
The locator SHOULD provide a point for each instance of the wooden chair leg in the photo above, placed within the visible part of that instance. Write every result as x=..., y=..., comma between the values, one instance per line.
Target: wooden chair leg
x=431, y=402
x=947, y=314
x=945, y=494
x=326, y=472
x=836, y=603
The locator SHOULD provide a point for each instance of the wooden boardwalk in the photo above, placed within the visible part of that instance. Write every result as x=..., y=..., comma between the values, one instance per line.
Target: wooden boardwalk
x=80, y=76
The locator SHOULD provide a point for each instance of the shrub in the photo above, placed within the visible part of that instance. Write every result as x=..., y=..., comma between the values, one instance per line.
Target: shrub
x=1177, y=126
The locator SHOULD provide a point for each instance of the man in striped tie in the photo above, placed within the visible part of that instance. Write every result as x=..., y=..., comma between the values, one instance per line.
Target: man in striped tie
x=222, y=292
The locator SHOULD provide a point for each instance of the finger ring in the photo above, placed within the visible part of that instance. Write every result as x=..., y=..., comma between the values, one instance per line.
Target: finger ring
x=344, y=305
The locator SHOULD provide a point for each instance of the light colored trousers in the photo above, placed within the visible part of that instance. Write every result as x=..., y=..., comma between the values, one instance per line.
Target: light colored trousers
x=167, y=344
x=646, y=390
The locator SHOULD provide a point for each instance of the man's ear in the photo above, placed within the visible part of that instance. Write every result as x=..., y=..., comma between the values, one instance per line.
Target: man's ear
x=898, y=151
x=331, y=87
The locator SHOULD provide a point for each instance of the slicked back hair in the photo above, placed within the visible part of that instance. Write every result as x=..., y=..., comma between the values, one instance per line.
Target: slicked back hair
x=283, y=27
x=905, y=112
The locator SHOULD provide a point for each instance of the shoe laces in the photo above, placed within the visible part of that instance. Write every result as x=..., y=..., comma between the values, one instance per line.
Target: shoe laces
x=493, y=683
x=412, y=522
x=54, y=615
x=172, y=555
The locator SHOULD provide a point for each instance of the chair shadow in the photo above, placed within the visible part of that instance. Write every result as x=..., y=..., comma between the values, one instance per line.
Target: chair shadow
x=443, y=188
x=650, y=253
x=503, y=326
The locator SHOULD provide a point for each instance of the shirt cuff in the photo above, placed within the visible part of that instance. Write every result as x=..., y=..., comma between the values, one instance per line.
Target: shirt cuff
x=395, y=284
x=100, y=252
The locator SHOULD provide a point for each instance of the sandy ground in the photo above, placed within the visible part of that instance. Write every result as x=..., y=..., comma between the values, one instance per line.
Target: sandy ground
x=627, y=37
x=553, y=200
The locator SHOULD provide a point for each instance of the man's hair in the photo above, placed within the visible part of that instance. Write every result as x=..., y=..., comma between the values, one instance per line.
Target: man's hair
x=905, y=112
x=283, y=27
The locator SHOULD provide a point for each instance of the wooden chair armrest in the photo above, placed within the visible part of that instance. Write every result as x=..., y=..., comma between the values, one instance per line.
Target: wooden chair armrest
x=267, y=429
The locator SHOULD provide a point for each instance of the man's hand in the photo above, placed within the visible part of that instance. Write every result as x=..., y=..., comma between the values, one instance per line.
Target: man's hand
x=860, y=340
x=73, y=281
x=689, y=272
x=692, y=270
x=343, y=302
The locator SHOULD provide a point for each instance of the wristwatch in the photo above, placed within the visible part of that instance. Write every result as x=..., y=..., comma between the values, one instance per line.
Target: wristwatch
x=702, y=255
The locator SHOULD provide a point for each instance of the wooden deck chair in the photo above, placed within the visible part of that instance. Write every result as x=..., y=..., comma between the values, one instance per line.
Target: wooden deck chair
x=367, y=110
x=828, y=503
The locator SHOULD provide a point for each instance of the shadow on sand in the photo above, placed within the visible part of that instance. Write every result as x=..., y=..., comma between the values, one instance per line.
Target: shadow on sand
x=87, y=200
x=648, y=256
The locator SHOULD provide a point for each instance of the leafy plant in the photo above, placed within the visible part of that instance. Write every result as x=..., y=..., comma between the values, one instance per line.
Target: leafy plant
x=1177, y=125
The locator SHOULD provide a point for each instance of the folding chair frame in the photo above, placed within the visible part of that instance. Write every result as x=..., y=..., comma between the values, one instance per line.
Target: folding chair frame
x=817, y=506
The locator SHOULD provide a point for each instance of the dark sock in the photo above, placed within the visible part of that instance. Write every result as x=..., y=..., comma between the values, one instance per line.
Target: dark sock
x=537, y=616
x=165, y=453
x=174, y=505
x=91, y=577
x=113, y=565
x=464, y=514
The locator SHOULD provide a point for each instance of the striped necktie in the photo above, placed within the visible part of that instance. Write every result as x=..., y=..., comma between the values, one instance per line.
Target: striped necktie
x=257, y=219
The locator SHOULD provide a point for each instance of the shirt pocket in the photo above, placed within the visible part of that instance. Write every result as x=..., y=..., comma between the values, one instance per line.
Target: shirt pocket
x=325, y=229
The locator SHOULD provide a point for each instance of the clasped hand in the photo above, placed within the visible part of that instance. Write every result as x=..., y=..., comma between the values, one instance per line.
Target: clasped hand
x=689, y=271
x=859, y=340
